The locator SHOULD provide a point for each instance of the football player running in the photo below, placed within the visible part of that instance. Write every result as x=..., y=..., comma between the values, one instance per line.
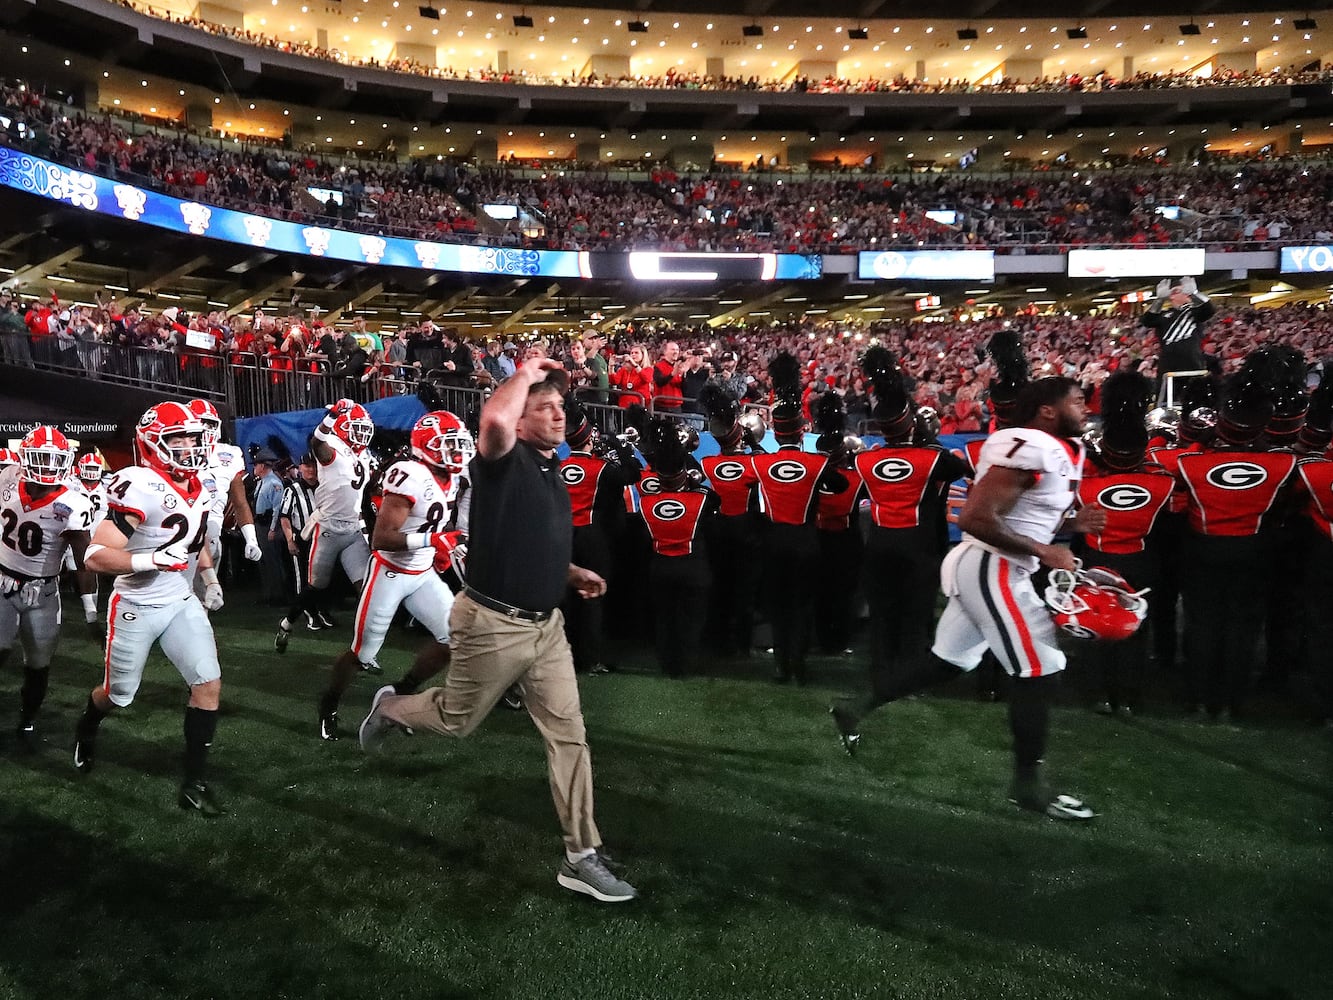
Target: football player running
x=225, y=465
x=412, y=545
x=42, y=513
x=153, y=539
x=339, y=446
x=90, y=468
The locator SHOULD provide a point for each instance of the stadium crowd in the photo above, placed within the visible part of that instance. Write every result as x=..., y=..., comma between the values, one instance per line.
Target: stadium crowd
x=1245, y=205
x=678, y=80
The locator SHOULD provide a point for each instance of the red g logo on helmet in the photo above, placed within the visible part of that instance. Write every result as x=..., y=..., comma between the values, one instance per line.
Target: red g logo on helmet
x=787, y=472
x=45, y=456
x=1095, y=604
x=668, y=510
x=727, y=472
x=441, y=441
x=163, y=422
x=1124, y=497
x=1237, y=475
x=892, y=470
x=572, y=474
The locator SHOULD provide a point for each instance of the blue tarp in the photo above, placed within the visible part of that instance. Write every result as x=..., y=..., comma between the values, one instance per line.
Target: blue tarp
x=294, y=428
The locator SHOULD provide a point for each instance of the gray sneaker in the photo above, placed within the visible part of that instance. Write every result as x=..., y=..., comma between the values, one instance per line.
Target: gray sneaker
x=375, y=727
x=591, y=877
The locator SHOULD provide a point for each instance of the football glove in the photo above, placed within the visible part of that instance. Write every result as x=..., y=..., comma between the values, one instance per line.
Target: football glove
x=213, y=596
x=31, y=593
x=171, y=559
x=444, y=543
x=8, y=584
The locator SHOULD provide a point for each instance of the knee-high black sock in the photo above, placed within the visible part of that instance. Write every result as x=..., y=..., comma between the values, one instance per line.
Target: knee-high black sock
x=33, y=693
x=1029, y=713
x=200, y=725
x=90, y=719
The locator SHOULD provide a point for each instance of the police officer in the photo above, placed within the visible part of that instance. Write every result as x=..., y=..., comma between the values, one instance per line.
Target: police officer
x=596, y=487
x=1134, y=498
x=907, y=483
x=677, y=518
x=1232, y=486
x=789, y=482
x=734, y=549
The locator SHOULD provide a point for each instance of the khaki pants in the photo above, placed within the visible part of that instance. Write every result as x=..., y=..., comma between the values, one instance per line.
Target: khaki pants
x=491, y=651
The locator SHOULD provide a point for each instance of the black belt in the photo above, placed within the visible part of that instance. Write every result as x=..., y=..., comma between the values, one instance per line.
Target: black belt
x=507, y=610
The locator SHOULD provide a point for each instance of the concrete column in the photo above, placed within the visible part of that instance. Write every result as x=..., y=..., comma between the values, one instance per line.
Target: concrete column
x=713, y=66
x=322, y=38
x=502, y=61
x=919, y=71
x=219, y=14
x=798, y=154
x=816, y=69
x=608, y=65
x=1126, y=67
x=588, y=152
x=485, y=150
x=697, y=154
x=424, y=54
x=199, y=116
x=1021, y=69
x=1239, y=62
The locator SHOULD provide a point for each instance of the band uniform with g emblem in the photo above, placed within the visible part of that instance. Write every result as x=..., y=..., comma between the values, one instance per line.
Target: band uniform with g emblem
x=839, y=529
x=678, y=520
x=1233, y=488
x=1134, y=498
x=596, y=487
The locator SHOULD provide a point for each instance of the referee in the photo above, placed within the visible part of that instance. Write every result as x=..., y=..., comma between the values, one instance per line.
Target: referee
x=298, y=503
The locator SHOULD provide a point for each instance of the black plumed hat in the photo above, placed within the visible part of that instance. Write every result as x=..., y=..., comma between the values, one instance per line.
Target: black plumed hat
x=785, y=372
x=666, y=452
x=578, y=428
x=1247, y=406
x=723, y=410
x=830, y=422
x=1126, y=396
x=1198, y=408
x=1290, y=401
x=1011, y=372
x=893, y=408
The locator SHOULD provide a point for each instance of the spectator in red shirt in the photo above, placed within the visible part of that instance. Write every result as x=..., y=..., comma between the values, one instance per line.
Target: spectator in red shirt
x=667, y=374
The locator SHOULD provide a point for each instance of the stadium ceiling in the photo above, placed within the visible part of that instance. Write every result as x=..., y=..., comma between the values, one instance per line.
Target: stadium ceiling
x=962, y=10
x=84, y=259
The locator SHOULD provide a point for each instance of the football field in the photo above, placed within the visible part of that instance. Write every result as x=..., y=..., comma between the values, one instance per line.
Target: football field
x=770, y=864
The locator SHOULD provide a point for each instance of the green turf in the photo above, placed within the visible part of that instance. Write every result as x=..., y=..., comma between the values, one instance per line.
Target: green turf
x=770, y=865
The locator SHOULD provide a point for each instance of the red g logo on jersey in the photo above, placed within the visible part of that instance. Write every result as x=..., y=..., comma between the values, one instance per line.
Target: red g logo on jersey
x=892, y=470
x=668, y=510
x=572, y=474
x=787, y=472
x=1125, y=497
x=1237, y=476
x=728, y=472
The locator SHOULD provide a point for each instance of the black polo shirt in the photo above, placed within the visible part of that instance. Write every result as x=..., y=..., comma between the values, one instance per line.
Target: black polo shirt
x=520, y=529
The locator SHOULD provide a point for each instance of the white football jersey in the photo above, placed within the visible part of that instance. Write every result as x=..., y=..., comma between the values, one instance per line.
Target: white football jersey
x=97, y=498
x=167, y=516
x=431, y=500
x=341, y=483
x=32, y=529
x=226, y=464
x=1058, y=467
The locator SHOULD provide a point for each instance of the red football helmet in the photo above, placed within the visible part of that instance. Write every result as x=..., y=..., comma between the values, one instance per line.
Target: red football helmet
x=440, y=440
x=354, y=426
x=1095, y=603
x=45, y=456
x=8, y=457
x=212, y=421
x=166, y=420
x=91, y=466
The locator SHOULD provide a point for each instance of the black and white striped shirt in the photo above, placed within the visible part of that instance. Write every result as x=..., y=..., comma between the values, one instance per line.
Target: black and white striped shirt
x=298, y=503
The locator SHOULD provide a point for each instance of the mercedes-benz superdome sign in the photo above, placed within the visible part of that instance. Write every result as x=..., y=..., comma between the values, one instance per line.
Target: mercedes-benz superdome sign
x=33, y=175
x=1307, y=260
x=1158, y=263
x=926, y=265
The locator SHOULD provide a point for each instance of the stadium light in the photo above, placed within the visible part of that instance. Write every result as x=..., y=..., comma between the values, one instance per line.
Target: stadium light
x=429, y=12
x=967, y=34
x=522, y=21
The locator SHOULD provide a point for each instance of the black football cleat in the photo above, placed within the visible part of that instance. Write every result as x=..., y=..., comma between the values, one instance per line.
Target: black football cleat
x=328, y=726
x=199, y=797
x=513, y=698
x=28, y=739
x=848, y=726
x=84, y=747
x=280, y=640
